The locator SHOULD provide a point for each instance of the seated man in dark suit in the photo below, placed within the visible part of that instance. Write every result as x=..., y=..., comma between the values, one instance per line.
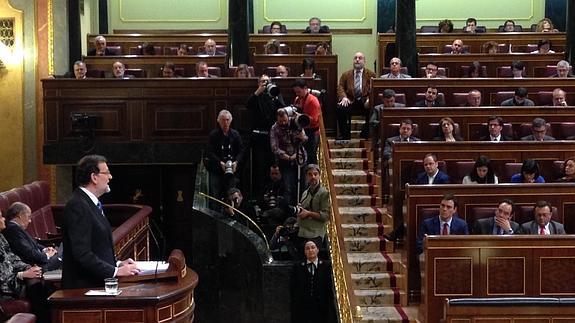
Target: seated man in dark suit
x=431, y=98
x=101, y=49
x=315, y=27
x=29, y=250
x=202, y=70
x=405, y=131
x=542, y=223
x=210, y=49
x=518, y=99
x=432, y=174
x=446, y=223
x=538, y=131
x=495, y=125
x=501, y=223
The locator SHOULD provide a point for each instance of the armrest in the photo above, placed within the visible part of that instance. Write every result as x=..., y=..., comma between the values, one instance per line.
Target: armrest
x=50, y=241
x=23, y=318
x=11, y=307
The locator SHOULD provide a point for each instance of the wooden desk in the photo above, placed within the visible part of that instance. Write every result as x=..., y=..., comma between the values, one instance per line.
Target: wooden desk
x=147, y=302
x=496, y=266
x=152, y=64
x=326, y=68
x=163, y=40
x=534, y=63
x=295, y=42
x=487, y=86
x=434, y=42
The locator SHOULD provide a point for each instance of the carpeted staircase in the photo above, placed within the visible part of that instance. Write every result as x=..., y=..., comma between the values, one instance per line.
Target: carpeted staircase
x=378, y=273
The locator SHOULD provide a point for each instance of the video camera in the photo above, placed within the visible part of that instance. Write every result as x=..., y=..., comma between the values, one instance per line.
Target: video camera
x=297, y=121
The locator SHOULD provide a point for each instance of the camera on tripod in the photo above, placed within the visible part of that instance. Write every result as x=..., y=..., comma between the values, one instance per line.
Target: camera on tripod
x=297, y=121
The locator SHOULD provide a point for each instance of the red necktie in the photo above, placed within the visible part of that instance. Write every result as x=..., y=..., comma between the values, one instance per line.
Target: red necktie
x=542, y=230
x=445, y=230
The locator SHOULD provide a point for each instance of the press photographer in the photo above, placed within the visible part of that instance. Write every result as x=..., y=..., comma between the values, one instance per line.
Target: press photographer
x=286, y=144
x=263, y=105
x=224, y=155
x=283, y=242
x=308, y=105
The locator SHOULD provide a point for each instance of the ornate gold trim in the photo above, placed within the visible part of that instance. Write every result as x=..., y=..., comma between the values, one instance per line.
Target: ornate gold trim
x=50, y=5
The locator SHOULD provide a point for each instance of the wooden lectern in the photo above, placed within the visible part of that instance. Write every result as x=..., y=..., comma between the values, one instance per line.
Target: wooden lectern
x=165, y=297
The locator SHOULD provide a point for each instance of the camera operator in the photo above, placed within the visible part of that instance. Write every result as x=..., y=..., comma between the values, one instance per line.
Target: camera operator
x=309, y=105
x=263, y=105
x=286, y=140
x=313, y=210
x=272, y=199
x=225, y=152
x=284, y=239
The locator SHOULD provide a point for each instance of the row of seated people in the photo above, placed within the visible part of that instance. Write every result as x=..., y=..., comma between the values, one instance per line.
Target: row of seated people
x=543, y=46
x=485, y=171
x=446, y=26
x=476, y=69
x=210, y=48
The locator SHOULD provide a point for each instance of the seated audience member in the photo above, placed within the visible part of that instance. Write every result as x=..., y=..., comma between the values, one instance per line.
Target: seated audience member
x=474, y=98
x=118, y=70
x=210, y=49
x=431, y=99
x=431, y=71
x=242, y=71
x=509, y=26
x=489, y=47
x=374, y=119
x=202, y=70
x=543, y=47
x=432, y=174
x=559, y=98
x=568, y=171
x=538, y=131
x=169, y=70
x=405, y=131
x=80, y=70
x=23, y=244
x=470, y=26
x=445, y=26
x=272, y=47
x=283, y=241
x=281, y=71
x=445, y=223
x=518, y=99
x=529, y=173
x=563, y=69
x=517, y=68
x=308, y=68
x=476, y=70
x=272, y=203
x=542, y=223
x=101, y=49
x=315, y=27
x=183, y=50
x=224, y=154
x=482, y=172
x=501, y=223
x=395, y=70
x=545, y=25
x=457, y=47
x=495, y=125
x=446, y=131
x=311, y=288
x=322, y=48
x=276, y=27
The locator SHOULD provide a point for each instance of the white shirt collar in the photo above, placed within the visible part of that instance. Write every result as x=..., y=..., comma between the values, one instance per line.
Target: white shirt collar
x=90, y=195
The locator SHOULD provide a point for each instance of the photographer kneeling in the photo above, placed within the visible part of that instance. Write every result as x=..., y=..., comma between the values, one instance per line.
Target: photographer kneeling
x=283, y=242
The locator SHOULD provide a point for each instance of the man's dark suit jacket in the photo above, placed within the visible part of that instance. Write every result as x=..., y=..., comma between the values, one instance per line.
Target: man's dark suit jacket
x=485, y=226
x=312, y=300
x=431, y=226
x=502, y=138
x=423, y=103
x=531, y=138
x=28, y=249
x=532, y=227
x=440, y=178
x=218, y=53
x=87, y=238
x=346, y=88
x=322, y=30
x=107, y=52
x=387, y=150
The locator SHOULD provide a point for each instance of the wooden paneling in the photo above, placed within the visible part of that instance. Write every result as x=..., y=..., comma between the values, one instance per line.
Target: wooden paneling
x=295, y=42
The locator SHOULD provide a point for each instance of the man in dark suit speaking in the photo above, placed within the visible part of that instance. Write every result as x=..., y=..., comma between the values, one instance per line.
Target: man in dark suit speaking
x=446, y=223
x=87, y=235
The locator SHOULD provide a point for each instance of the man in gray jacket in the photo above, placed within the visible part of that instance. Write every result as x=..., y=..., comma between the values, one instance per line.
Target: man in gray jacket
x=542, y=223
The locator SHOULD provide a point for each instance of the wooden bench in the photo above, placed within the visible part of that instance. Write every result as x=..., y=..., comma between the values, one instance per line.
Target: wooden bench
x=295, y=42
x=489, y=87
x=496, y=266
x=421, y=200
x=152, y=65
x=165, y=41
x=435, y=42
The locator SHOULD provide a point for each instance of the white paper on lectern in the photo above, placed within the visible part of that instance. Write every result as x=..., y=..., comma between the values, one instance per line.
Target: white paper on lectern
x=152, y=267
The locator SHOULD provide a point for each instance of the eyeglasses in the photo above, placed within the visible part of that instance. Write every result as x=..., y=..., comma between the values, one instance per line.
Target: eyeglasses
x=105, y=173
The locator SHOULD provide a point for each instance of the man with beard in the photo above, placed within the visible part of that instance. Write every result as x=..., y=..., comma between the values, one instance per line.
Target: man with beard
x=313, y=211
x=353, y=96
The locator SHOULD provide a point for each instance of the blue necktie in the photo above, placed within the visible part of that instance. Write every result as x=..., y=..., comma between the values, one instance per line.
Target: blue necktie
x=100, y=207
x=499, y=231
